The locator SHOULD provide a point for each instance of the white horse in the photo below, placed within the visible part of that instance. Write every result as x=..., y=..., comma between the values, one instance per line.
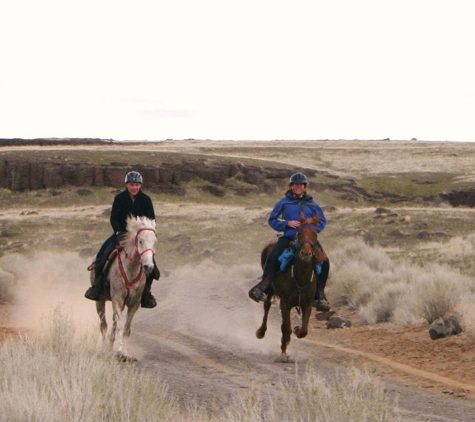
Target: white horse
x=134, y=260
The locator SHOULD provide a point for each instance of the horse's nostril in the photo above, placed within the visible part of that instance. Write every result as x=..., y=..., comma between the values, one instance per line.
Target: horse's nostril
x=305, y=255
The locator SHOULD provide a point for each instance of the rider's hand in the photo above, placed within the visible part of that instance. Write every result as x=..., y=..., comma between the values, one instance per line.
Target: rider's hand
x=293, y=223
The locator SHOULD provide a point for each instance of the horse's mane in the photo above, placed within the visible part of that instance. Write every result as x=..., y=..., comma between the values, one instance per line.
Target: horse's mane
x=134, y=224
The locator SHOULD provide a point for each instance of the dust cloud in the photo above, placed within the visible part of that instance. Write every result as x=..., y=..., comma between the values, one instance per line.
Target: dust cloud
x=206, y=301
x=48, y=281
x=210, y=302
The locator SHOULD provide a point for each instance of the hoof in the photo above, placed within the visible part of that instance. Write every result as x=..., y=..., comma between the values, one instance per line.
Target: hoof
x=260, y=334
x=299, y=333
x=283, y=358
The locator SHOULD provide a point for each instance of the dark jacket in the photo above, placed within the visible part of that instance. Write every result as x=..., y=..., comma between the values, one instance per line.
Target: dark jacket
x=289, y=207
x=123, y=207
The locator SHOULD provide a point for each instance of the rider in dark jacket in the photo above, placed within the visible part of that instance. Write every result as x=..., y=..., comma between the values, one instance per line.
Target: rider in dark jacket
x=285, y=218
x=130, y=202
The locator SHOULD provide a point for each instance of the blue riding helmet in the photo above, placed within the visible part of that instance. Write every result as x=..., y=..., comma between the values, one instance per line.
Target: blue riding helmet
x=133, y=177
x=298, y=178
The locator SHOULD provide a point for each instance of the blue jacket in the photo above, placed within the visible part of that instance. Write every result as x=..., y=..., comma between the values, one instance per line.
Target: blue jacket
x=288, y=208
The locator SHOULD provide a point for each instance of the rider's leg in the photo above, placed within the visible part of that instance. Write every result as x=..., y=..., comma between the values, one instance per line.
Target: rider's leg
x=258, y=292
x=95, y=292
x=321, y=302
x=148, y=301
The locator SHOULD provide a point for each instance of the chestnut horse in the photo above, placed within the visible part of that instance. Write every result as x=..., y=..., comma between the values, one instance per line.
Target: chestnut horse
x=295, y=286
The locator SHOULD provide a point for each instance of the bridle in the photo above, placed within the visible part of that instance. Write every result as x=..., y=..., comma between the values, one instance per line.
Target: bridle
x=308, y=242
x=135, y=262
x=300, y=253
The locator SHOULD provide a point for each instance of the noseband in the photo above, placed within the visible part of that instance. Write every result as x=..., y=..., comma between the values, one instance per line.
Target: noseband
x=314, y=232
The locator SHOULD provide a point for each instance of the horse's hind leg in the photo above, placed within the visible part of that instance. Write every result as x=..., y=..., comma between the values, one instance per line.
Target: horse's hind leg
x=261, y=331
x=101, y=311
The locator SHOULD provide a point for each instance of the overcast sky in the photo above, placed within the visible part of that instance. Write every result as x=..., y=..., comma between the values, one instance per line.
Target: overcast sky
x=239, y=70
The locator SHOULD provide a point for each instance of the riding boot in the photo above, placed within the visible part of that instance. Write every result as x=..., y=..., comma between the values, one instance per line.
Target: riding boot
x=148, y=301
x=258, y=292
x=95, y=292
x=321, y=303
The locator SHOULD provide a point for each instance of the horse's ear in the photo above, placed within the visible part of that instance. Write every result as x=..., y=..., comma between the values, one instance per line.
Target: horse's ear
x=316, y=219
x=302, y=216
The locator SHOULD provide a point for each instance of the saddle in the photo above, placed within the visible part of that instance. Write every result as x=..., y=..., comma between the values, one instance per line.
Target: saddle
x=319, y=255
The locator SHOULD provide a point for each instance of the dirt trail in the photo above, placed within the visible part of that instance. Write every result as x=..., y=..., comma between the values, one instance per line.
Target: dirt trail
x=213, y=369
x=201, y=341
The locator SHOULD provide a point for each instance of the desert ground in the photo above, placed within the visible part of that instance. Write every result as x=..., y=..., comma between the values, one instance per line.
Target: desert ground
x=200, y=339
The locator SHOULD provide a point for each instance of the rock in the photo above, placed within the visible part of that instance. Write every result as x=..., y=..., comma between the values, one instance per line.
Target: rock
x=445, y=327
x=337, y=321
x=214, y=190
x=462, y=197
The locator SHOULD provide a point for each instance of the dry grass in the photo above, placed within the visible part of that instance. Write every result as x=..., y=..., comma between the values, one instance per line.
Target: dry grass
x=366, y=279
x=61, y=376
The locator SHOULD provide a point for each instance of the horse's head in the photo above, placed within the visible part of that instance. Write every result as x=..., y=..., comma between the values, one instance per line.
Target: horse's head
x=142, y=237
x=307, y=236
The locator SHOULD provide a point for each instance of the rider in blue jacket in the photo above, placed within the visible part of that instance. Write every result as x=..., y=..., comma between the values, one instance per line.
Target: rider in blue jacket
x=285, y=218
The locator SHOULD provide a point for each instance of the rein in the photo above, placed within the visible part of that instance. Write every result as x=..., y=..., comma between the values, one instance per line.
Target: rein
x=312, y=244
x=299, y=288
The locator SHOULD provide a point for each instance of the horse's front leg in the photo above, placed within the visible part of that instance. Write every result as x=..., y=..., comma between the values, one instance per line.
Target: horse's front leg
x=128, y=322
x=261, y=331
x=286, y=329
x=122, y=351
x=302, y=331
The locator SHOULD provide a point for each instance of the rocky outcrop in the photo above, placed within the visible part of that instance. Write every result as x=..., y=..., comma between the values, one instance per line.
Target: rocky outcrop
x=460, y=198
x=30, y=174
x=29, y=171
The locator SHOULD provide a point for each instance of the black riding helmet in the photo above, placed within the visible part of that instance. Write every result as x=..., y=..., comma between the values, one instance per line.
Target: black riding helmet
x=298, y=178
x=133, y=177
